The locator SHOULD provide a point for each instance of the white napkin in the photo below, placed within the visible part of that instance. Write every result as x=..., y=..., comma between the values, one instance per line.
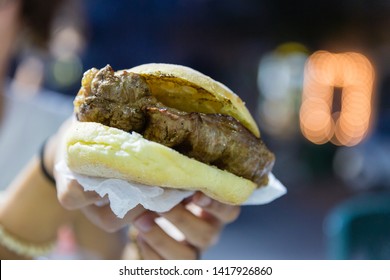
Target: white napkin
x=124, y=196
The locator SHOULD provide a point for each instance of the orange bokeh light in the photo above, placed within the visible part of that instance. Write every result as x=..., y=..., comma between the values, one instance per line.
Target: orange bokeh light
x=354, y=74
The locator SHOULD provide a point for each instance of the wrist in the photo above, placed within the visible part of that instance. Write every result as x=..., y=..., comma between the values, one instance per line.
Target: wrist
x=47, y=153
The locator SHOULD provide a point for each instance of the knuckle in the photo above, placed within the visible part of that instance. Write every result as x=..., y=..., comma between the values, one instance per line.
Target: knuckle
x=231, y=214
x=66, y=200
x=109, y=228
x=234, y=213
x=109, y=224
x=67, y=196
x=209, y=237
x=225, y=213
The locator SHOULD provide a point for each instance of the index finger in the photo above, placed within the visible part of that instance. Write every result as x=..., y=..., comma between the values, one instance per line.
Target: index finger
x=71, y=194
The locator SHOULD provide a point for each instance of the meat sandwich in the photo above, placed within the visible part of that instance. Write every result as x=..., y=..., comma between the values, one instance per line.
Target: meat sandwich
x=170, y=126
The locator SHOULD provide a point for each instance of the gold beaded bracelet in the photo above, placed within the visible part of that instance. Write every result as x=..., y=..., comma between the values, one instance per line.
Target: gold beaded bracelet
x=23, y=248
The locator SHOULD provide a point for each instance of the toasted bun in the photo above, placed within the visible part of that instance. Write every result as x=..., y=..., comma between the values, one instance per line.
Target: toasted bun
x=97, y=150
x=174, y=85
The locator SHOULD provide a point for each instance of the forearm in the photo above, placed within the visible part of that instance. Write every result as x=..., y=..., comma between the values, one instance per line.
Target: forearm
x=30, y=210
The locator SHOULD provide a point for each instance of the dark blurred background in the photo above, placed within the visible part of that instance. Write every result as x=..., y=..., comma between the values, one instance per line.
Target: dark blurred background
x=276, y=55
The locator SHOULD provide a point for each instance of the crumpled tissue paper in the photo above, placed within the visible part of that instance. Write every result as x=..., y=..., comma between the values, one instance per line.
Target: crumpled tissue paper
x=124, y=195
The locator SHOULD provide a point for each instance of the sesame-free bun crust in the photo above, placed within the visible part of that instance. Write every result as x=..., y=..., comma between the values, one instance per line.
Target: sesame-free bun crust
x=96, y=150
x=188, y=90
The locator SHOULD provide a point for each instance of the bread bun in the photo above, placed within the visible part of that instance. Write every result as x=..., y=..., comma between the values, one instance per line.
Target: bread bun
x=96, y=150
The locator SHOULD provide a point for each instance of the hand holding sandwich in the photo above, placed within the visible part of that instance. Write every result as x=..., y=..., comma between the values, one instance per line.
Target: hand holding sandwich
x=200, y=230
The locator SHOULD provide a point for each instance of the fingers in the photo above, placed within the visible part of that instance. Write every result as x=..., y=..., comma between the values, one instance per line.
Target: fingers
x=156, y=243
x=199, y=232
x=146, y=251
x=223, y=212
x=71, y=194
x=104, y=218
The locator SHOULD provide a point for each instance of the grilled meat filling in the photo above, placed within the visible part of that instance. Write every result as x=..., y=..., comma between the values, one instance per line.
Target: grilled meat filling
x=123, y=100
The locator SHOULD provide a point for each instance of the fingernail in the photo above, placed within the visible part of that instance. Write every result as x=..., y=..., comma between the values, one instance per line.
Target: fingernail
x=144, y=223
x=203, y=200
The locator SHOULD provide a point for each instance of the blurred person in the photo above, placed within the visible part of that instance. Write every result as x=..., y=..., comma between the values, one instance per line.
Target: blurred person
x=31, y=214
